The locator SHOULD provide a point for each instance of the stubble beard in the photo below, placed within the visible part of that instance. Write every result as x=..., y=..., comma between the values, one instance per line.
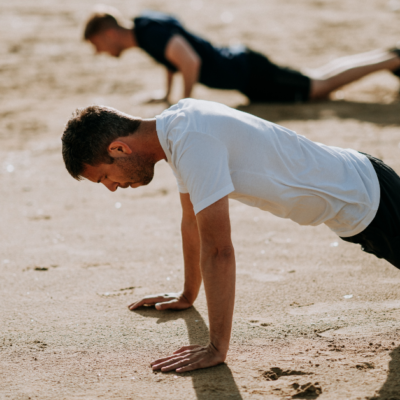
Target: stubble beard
x=136, y=168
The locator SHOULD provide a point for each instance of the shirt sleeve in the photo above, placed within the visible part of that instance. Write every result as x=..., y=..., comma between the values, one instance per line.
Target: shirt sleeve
x=202, y=163
x=181, y=186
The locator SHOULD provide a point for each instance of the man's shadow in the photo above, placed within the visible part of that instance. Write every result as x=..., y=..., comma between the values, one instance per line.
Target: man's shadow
x=390, y=390
x=376, y=113
x=216, y=383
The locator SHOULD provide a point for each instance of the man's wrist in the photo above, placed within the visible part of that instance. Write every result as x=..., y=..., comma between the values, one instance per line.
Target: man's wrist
x=189, y=296
x=221, y=350
x=220, y=342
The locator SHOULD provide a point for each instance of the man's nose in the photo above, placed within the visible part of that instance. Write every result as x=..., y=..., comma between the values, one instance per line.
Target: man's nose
x=112, y=186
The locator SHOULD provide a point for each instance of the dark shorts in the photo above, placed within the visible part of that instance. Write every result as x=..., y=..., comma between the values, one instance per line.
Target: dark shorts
x=269, y=83
x=382, y=236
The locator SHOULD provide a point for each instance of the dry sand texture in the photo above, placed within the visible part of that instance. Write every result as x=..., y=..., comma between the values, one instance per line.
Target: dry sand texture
x=73, y=255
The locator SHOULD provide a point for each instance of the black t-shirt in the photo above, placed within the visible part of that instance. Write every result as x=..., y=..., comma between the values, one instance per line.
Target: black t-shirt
x=221, y=67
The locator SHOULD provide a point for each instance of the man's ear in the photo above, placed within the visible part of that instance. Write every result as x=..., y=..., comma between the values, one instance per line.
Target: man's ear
x=119, y=149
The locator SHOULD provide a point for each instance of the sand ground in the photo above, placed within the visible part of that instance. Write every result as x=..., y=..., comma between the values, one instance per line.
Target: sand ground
x=73, y=255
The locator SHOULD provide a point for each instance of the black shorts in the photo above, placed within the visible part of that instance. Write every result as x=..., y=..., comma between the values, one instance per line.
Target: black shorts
x=269, y=83
x=382, y=235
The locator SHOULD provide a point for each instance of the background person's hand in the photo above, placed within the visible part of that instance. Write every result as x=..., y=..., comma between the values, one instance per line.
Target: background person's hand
x=189, y=358
x=157, y=97
x=166, y=301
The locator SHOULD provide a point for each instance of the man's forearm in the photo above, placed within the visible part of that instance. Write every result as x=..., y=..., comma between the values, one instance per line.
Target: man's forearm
x=191, y=257
x=190, y=78
x=219, y=275
x=212, y=227
x=170, y=77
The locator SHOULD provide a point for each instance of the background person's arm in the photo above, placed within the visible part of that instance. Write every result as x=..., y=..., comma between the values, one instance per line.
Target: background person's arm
x=160, y=96
x=191, y=257
x=170, y=78
x=181, y=54
x=218, y=271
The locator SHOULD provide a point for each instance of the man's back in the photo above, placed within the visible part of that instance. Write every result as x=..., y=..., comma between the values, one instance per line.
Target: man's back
x=215, y=151
x=223, y=68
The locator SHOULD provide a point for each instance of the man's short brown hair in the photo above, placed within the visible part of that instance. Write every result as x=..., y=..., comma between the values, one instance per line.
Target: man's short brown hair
x=102, y=19
x=88, y=134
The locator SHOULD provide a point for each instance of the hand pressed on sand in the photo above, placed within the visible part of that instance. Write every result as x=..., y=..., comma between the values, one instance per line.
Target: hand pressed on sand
x=166, y=301
x=189, y=358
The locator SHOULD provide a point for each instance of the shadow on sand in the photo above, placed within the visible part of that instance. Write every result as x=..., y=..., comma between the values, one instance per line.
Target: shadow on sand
x=390, y=390
x=215, y=383
x=380, y=114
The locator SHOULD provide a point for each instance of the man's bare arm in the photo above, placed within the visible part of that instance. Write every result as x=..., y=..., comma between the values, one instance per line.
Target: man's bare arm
x=191, y=257
x=163, y=97
x=218, y=271
x=170, y=78
x=191, y=249
x=180, y=53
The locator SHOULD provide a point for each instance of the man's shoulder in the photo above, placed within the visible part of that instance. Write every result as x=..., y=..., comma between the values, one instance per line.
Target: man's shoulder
x=184, y=121
x=187, y=108
x=192, y=109
x=150, y=17
x=178, y=112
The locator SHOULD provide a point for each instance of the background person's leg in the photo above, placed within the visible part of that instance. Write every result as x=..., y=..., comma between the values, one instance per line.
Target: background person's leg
x=345, y=70
x=271, y=83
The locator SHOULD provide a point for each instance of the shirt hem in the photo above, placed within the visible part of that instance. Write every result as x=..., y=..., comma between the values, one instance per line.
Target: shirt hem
x=365, y=223
x=213, y=198
x=375, y=203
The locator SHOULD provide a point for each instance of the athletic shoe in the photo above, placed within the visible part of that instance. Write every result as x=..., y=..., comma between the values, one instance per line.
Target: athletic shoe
x=396, y=50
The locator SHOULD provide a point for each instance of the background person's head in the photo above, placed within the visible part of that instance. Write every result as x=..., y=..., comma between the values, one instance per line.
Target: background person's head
x=95, y=146
x=108, y=31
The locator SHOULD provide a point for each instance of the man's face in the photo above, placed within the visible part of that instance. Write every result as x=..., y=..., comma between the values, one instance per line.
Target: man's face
x=107, y=42
x=129, y=171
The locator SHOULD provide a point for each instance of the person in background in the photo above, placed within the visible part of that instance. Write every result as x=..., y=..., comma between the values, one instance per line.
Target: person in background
x=166, y=40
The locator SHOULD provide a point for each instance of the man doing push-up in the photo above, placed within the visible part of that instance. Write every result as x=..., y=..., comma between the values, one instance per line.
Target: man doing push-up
x=217, y=153
x=237, y=67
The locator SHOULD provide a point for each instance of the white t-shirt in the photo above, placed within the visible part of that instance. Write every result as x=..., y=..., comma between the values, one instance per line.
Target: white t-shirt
x=216, y=151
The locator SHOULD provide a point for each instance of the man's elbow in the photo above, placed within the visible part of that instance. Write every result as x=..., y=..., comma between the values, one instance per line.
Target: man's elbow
x=193, y=65
x=196, y=62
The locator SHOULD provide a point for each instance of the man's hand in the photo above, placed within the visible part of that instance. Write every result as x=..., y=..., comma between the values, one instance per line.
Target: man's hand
x=167, y=301
x=189, y=358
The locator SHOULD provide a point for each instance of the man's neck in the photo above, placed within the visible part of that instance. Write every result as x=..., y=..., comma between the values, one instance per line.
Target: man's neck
x=148, y=131
x=127, y=38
